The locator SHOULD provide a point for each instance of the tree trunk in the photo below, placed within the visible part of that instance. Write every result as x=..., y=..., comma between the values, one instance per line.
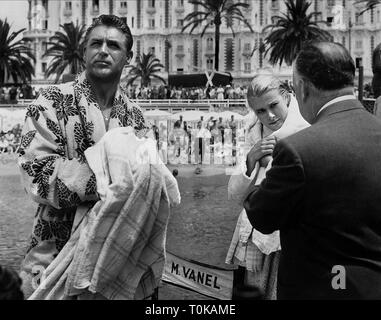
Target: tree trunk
x=217, y=46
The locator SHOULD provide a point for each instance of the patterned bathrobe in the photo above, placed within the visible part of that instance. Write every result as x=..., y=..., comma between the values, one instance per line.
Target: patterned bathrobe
x=60, y=125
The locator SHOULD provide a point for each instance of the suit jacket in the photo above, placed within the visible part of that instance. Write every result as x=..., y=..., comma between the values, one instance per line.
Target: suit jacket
x=323, y=193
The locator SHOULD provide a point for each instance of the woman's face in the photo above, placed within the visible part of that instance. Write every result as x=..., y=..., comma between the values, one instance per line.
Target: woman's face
x=271, y=109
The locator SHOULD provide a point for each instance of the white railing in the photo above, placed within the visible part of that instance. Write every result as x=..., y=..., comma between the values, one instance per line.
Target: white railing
x=170, y=104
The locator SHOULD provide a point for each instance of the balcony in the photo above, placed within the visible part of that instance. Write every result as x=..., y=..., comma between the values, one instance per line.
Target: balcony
x=209, y=50
x=179, y=10
x=151, y=10
x=37, y=33
x=94, y=11
x=247, y=53
x=122, y=11
x=67, y=12
x=180, y=52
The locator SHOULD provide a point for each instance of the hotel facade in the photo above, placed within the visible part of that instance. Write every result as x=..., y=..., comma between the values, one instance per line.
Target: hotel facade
x=156, y=27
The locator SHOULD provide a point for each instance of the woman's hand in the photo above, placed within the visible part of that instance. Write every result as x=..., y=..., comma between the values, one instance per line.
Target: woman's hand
x=261, y=149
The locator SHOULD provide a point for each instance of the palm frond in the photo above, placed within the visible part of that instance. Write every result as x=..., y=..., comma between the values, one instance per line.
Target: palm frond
x=67, y=49
x=15, y=56
x=290, y=31
x=146, y=67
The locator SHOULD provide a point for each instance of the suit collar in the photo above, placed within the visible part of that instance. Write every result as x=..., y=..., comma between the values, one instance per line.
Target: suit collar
x=337, y=107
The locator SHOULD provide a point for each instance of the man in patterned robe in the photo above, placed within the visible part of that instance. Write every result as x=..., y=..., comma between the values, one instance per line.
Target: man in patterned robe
x=60, y=125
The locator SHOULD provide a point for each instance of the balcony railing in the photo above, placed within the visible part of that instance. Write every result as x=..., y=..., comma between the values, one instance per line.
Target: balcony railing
x=150, y=10
x=173, y=105
x=179, y=9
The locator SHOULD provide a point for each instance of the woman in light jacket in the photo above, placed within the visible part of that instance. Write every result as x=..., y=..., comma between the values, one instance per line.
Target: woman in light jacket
x=276, y=115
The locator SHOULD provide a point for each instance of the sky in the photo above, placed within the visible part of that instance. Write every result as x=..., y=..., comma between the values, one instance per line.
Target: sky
x=16, y=12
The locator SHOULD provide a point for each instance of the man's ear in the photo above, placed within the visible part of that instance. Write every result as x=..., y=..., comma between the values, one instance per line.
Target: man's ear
x=305, y=89
x=84, y=53
x=129, y=57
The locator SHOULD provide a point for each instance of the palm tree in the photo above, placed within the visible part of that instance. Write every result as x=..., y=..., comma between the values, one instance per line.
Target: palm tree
x=15, y=56
x=146, y=68
x=67, y=50
x=215, y=11
x=368, y=5
x=291, y=30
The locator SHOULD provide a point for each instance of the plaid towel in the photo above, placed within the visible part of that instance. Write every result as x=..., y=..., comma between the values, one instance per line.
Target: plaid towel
x=120, y=247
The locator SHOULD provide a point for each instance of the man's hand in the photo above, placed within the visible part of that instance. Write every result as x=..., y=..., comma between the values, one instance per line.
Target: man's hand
x=261, y=149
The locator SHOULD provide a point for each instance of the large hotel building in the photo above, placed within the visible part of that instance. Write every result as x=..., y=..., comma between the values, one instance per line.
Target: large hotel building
x=156, y=26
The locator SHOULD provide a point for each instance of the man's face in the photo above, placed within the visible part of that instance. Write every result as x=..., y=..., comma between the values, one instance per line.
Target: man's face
x=105, y=52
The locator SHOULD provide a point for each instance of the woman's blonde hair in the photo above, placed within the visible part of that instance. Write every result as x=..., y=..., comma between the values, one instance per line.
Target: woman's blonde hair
x=263, y=83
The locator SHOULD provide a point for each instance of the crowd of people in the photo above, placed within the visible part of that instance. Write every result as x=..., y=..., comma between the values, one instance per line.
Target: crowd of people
x=194, y=93
x=309, y=226
x=10, y=140
x=211, y=141
x=11, y=95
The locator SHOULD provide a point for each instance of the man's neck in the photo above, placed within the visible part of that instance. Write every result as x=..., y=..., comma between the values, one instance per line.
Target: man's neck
x=104, y=91
x=328, y=96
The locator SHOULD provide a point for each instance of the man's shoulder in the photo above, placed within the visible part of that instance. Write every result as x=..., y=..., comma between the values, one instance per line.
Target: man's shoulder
x=54, y=91
x=304, y=139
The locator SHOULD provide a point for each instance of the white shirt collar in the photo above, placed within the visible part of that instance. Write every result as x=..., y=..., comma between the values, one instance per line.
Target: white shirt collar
x=338, y=99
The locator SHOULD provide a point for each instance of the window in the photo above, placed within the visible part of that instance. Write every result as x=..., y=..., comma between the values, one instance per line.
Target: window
x=247, y=47
x=151, y=23
x=180, y=48
x=68, y=5
x=247, y=67
x=378, y=15
x=274, y=4
x=45, y=4
x=95, y=5
x=138, y=44
x=132, y=22
x=358, y=44
x=261, y=12
x=209, y=44
x=180, y=23
x=274, y=19
x=44, y=46
x=43, y=67
x=180, y=3
x=45, y=24
x=330, y=3
x=123, y=5
x=359, y=18
x=151, y=3
x=209, y=63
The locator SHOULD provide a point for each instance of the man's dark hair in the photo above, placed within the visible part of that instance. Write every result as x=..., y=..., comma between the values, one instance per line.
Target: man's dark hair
x=10, y=285
x=109, y=20
x=327, y=65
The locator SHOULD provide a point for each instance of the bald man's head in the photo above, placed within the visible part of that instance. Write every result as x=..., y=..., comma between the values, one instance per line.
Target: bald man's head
x=327, y=65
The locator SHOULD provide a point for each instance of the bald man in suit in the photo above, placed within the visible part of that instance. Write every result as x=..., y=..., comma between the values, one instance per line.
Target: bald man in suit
x=323, y=191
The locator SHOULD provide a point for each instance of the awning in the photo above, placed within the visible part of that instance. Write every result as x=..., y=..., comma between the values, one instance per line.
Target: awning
x=199, y=79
